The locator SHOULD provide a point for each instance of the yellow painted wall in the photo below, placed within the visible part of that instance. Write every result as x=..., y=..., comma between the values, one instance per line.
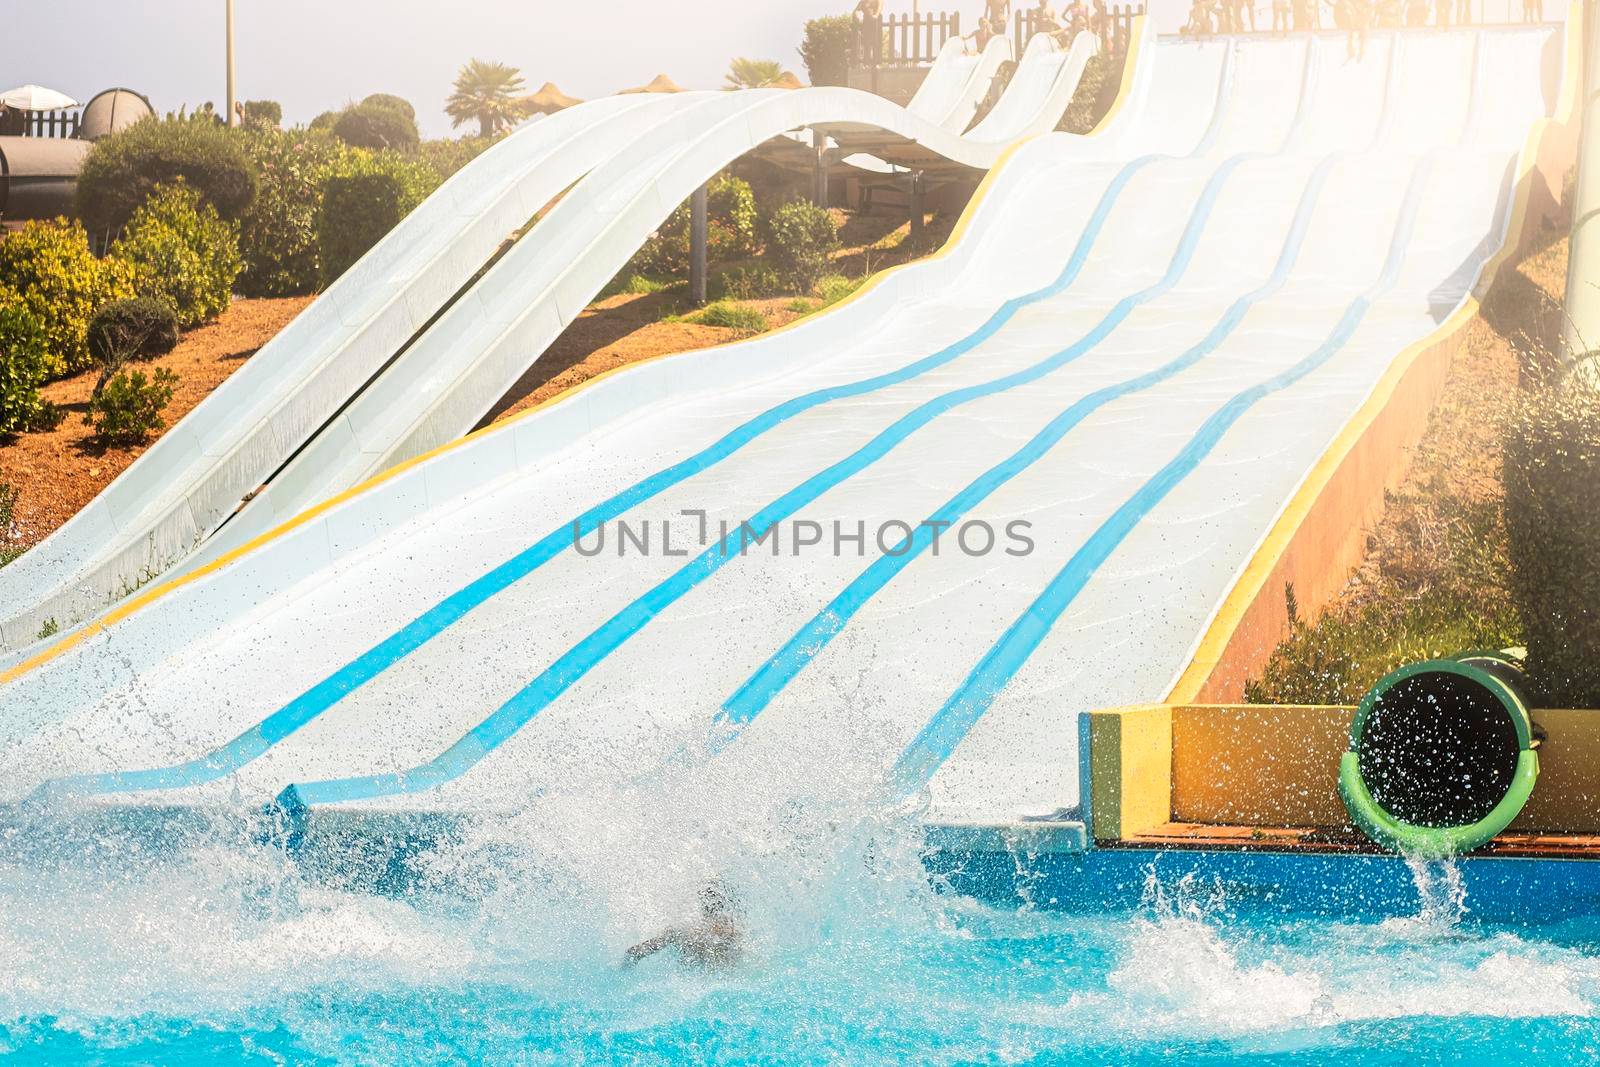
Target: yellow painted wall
x=1130, y=768
x=1258, y=765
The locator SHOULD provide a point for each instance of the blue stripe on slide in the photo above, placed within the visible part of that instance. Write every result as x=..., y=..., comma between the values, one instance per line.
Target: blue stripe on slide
x=347, y=679
x=577, y=661
x=951, y=724
x=777, y=672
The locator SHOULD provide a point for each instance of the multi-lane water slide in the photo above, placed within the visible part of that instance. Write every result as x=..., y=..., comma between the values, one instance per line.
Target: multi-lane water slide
x=1137, y=343
x=385, y=366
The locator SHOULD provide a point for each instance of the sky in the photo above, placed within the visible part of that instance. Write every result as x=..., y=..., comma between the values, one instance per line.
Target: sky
x=313, y=55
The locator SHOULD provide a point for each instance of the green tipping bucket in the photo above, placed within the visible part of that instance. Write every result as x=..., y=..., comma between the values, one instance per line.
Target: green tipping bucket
x=1442, y=755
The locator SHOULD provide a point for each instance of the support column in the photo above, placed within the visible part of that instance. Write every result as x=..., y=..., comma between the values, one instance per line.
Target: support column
x=231, y=118
x=819, y=187
x=697, y=247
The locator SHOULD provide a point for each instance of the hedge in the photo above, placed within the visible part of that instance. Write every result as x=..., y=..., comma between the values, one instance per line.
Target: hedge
x=122, y=170
x=23, y=364
x=183, y=252
x=826, y=49
x=378, y=127
x=278, y=234
x=59, y=280
x=364, y=201
x=1552, y=477
x=142, y=328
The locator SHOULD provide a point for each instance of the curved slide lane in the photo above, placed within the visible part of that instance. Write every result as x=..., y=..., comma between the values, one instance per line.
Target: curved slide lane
x=1230, y=270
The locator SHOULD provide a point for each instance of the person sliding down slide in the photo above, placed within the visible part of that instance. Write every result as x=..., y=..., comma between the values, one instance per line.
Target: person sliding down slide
x=714, y=941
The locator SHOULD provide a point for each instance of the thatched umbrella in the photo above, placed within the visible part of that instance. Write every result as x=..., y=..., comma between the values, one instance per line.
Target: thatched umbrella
x=787, y=80
x=548, y=100
x=659, y=84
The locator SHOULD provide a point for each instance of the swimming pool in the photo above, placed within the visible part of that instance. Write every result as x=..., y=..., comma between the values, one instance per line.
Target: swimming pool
x=218, y=951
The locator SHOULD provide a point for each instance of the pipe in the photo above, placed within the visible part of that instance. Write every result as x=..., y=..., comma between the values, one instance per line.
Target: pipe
x=1443, y=755
x=39, y=176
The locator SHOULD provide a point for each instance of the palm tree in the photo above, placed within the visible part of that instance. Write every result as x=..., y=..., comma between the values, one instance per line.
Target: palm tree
x=487, y=92
x=753, y=73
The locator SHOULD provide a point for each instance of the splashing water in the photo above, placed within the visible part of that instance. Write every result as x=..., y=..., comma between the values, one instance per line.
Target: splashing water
x=502, y=944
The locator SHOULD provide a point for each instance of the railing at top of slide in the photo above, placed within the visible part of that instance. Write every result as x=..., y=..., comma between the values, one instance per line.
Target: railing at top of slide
x=1113, y=25
x=906, y=40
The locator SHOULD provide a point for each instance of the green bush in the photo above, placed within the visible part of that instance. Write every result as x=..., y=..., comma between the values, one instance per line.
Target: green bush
x=278, y=234
x=263, y=113
x=388, y=101
x=363, y=202
x=447, y=156
x=803, y=238
x=379, y=127
x=23, y=363
x=128, y=409
x=745, y=283
x=731, y=316
x=142, y=328
x=61, y=283
x=8, y=504
x=122, y=170
x=826, y=49
x=182, y=251
x=323, y=123
x=1552, y=476
x=730, y=230
x=835, y=287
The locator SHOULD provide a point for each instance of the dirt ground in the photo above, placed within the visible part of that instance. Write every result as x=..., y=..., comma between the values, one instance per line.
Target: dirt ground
x=625, y=329
x=1456, y=471
x=58, y=471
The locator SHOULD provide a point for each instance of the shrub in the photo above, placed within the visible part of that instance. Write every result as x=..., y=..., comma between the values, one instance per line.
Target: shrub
x=378, y=127
x=122, y=170
x=23, y=363
x=324, y=122
x=262, y=112
x=361, y=203
x=1552, y=476
x=61, y=283
x=278, y=234
x=826, y=49
x=447, y=156
x=142, y=328
x=731, y=316
x=745, y=283
x=183, y=252
x=1102, y=79
x=803, y=240
x=128, y=409
x=8, y=504
x=388, y=101
x=835, y=287
x=730, y=230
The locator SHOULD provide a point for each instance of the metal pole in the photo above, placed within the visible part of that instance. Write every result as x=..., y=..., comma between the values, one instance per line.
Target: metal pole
x=697, y=247
x=819, y=191
x=232, y=96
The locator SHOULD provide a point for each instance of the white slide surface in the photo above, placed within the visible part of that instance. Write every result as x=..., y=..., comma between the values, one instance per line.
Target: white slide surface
x=1124, y=365
x=206, y=474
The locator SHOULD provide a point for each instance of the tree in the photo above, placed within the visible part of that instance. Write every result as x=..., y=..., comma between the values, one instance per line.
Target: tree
x=826, y=49
x=486, y=92
x=753, y=73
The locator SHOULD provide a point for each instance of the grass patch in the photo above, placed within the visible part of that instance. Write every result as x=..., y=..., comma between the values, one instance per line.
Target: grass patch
x=638, y=285
x=730, y=316
x=801, y=306
x=835, y=287
x=8, y=504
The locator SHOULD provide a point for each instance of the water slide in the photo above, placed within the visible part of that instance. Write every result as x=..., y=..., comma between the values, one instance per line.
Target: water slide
x=1000, y=487
x=238, y=463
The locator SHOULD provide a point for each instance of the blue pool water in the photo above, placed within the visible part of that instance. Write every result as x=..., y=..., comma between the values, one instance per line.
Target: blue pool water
x=214, y=952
